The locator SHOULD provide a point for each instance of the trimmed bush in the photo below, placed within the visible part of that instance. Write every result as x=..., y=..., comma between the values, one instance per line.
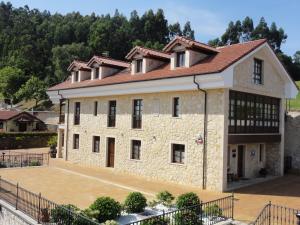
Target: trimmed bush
x=34, y=163
x=187, y=200
x=135, y=202
x=188, y=217
x=111, y=222
x=213, y=210
x=165, y=198
x=156, y=221
x=105, y=208
x=60, y=214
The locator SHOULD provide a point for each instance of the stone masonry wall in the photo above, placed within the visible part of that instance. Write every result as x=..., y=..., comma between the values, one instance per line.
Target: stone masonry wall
x=159, y=131
x=12, y=217
x=292, y=138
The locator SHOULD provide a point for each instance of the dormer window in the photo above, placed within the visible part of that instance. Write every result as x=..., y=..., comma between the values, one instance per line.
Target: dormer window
x=180, y=59
x=139, y=65
x=76, y=76
x=97, y=73
x=258, y=71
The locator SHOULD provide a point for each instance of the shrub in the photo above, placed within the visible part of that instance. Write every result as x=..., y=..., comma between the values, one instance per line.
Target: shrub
x=105, y=208
x=111, y=222
x=156, y=221
x=19, y=138
x=34, y=163
x=135, y=202
x=165, y=198
x=187, y=200
x=60, y=214
x=213, y=210
x=52, y=142
x=2, y=165
x=188, y=217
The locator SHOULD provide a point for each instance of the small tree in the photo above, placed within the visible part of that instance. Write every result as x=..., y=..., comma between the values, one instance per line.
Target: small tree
x=135, y=202
x=34, y=88
x=165, y=198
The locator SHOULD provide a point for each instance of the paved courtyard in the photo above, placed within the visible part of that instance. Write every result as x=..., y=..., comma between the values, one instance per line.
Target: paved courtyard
x=65, y=182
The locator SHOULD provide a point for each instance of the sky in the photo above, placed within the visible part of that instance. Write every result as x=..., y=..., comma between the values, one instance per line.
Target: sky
x=208, y=18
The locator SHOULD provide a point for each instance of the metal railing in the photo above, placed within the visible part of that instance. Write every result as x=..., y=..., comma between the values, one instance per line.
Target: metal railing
x=39, y=208
x=277, y=215
x=23, y=160
x=207, y=213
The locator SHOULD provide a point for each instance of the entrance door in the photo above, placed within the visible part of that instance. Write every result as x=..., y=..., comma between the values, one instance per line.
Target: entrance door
x=241, y=160
x=22, y=127
x=110, y=152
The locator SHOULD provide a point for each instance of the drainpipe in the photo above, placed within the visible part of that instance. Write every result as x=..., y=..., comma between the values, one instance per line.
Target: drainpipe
x=204, y=167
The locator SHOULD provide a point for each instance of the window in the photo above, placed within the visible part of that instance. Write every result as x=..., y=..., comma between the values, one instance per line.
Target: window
x=77, y=113
x=180, y=59
x=250, y=113
x=1, y=125
x=137, y=113
x=95, y=108
x=261, y=152
x=75, y=141
x=175, y=107
x=77, y=76
x=96, y=144
x=112, y=107
x=97, y=73
x=139, y=65
x=178, y=153
x=258, y=67
x=135, y=149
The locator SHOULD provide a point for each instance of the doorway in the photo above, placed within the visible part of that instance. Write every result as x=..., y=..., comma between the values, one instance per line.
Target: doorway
x=241, y=161
x=110, y=152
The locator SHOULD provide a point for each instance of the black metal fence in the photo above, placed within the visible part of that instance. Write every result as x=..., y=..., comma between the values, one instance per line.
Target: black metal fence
x=277, y=215
x=39, y=208
x=207, y=213
x=23, y=160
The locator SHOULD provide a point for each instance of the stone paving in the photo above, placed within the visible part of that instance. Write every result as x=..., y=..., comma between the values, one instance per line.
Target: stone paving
x=65, y=182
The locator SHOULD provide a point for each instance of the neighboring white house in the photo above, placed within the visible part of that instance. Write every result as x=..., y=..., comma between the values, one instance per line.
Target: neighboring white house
x=190, y=114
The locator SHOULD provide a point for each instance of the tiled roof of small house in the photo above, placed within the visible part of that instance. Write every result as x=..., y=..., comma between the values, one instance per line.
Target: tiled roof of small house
x=215, y=63
x=108, y=61
x=79, y=64
x=147, y=52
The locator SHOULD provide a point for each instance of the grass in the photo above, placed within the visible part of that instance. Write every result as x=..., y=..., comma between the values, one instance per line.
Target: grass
x=294, y=104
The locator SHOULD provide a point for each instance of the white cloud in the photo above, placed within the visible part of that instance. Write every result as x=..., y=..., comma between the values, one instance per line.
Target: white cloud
x=203, y=21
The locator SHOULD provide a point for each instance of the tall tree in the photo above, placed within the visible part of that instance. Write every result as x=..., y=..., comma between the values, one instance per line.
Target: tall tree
x=187, y=31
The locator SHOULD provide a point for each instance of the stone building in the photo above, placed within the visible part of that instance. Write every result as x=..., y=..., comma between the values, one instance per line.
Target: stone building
x=190, y=114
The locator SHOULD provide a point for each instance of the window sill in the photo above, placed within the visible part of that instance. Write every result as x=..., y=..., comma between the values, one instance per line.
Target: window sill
x=176, y=117
x=97, y=153
x=135, y=160
x=111, y=127
x=178, y=164
x=137, y=129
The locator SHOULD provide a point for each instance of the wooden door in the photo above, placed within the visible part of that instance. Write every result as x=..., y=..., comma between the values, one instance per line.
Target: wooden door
x=241, y=160
x=110, y=152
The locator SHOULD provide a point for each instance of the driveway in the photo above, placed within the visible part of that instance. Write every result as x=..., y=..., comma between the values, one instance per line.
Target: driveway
x=65, y=182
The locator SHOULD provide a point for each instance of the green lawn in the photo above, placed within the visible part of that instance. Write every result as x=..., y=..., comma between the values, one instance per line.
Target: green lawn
x=294, y=104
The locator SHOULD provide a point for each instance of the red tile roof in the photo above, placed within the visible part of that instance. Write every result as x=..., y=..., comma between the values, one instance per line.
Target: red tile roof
x=214, y=64
x=147, y=52
x=6, y=114
x=187, y=42
x=79, y=65
x=108, y=61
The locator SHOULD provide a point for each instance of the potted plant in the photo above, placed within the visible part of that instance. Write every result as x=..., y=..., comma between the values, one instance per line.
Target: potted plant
x=52, y=143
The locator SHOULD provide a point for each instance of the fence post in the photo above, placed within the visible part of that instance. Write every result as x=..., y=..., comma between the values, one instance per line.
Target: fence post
x=298, y=217
x=269, y=206
x=232, y=206
x=17, y=198
x=39, y=207
x=21, y=161
x=201, y=212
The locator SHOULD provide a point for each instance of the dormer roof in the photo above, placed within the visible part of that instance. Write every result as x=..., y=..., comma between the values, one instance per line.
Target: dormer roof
x=106, y=61
x=189, y=43
x=80, y=65
x=147, y=52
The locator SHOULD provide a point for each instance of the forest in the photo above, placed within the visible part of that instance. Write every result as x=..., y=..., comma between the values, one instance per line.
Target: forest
x=36, y=46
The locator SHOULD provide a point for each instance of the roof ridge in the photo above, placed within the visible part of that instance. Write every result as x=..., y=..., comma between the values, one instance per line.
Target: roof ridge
x=242, y=43
x=152, y=49
x=110, y=58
